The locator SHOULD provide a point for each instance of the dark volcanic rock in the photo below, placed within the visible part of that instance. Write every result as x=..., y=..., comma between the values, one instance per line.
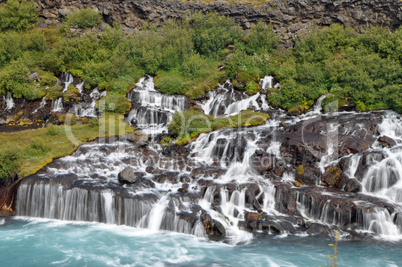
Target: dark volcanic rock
x=126, y=176
x=353, y=186
x=386, y=141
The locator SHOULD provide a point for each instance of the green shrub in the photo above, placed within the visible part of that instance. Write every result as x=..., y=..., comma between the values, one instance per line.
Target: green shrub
x=18, y=15
x=252, y=88
x=170, y=84
x=84, y=18
x=114, y=103
x=8, y=164
x=213, y=32
x=39, y=147
x=72, y=94
x=52, y=130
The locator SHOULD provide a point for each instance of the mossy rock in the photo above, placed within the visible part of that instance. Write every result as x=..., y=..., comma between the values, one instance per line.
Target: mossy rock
x=299, y=109
x=25, y=122
x=72, y=94
x=332, y=176
x=300, y=170
x=252, y=88
x=165, y=141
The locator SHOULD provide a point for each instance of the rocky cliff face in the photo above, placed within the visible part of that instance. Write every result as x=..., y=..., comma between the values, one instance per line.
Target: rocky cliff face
x=289, y=17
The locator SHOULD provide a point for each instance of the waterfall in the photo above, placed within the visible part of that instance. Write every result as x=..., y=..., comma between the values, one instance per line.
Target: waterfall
x=41, y=104
x=67, y=79
x=152, y=110
x=384, y=178
x=57, y=105
x=88, y=108
x=80, y=87
x=9, y=101
x=225, y=100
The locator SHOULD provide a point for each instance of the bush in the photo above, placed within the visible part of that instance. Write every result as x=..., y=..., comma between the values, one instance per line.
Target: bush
x=84, y=18
x=39, y=147
x=252, y=88
x=8, y=164
x=213, y=32
x=170, y=84
x=52, y=130
x=18, y=15
x=114, y=103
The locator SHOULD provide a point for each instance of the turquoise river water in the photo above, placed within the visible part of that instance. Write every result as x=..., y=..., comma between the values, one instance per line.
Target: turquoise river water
x=40, y=242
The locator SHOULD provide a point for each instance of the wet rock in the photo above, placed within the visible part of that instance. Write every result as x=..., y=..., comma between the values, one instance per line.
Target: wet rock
x=138, y=139
x=352, y=185
x=318, y=229
x=262, y=161
x=126, y=176
x=184, y=188
x=386, y=141
x=171, y=177
x=332, y=177
x=307, y=175
x=145, y=182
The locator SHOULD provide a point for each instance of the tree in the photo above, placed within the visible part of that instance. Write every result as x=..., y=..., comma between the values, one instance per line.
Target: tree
x=18, y=15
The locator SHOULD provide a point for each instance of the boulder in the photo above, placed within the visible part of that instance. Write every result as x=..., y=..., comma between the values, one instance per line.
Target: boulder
x=138, y=139
x=386, y=141
x=34, y=76
x=352, y=185
x=126, y=176
x=332, y=177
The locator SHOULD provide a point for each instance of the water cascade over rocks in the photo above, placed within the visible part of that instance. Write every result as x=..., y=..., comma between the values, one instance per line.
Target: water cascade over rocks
x=225, y=100
x=79, y=102
x=309, y=174
x=9, y=101
x=152, y=110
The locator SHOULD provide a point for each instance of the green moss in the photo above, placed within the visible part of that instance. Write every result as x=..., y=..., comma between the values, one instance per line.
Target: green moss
x=252, y=88
x=28, y=151
x=188, y=125
x=72, y=94
x=165, y=141
x=300, y=170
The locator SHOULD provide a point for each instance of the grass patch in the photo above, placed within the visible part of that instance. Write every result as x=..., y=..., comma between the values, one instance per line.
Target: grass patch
x=26, y=152
x=186, y=126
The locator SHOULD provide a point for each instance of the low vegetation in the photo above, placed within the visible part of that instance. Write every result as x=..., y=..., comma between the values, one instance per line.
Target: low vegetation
x=361, y=70
x=188, y=125
x=26, y=152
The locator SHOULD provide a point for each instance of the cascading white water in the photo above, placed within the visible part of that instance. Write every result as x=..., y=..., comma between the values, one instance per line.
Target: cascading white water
x=80, y=87
x=384, y=178
x=226, y=101
x=88, y=109
x=152, y=110
x=9, y=101
x=41, y=104
x=57, y=105
x=68, y=80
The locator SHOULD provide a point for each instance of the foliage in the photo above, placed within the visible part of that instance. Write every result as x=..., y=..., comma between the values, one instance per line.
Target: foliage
x=8, y=164
x=84, y=18
x=18, y=15
x=166, y=140
x=213, y=32
x=359, y=70
x=114, y=103
x=188, y=125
